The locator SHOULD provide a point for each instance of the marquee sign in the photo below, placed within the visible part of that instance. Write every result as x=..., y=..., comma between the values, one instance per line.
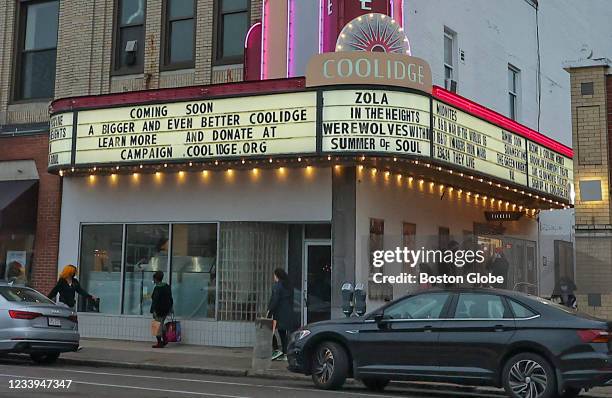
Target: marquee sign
x=205, y=129
x=348, y=108
x=60, y=139
x=549, y=172
x=379, y=121
x=468, y=142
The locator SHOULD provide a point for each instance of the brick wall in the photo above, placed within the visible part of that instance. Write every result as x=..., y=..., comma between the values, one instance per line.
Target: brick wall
x=35, y=147
x=593, y=247
x=590, y=143
x=84, y=67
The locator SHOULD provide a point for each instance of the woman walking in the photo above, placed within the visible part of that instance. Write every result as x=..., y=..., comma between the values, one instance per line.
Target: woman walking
x=280, y=308
x=161, y=306
x=67, y=286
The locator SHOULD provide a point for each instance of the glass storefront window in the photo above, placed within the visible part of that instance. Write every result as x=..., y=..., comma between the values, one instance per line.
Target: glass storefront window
x=100, y=264
x=146, y=251
x=194, y=261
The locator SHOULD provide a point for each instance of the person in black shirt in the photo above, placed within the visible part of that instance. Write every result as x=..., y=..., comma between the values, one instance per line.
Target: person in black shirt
x=67, y=286
x=161, y=306
x=280, y=308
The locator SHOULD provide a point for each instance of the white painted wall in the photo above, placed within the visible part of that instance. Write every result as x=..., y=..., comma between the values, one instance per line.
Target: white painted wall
x=398, y=202
x=493, y=33
x=293, y=195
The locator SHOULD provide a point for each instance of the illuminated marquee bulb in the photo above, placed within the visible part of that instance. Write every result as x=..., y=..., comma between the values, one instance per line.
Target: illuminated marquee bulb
x=191, y=163
x=165, y=164
x=299, y=159
x=216, y=163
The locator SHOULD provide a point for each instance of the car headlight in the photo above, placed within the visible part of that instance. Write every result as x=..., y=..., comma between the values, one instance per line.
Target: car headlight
x=300, y=334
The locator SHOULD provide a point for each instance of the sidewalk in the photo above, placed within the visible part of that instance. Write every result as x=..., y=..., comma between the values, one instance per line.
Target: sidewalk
x=209, y=360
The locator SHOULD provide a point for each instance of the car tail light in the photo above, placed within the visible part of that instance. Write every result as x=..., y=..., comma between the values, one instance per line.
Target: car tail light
x=23, y=314
x=594, y=336
x=74, y=318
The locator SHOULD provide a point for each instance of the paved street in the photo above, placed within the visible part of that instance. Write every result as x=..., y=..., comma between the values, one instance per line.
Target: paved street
x=93, y=382
x=116, y=383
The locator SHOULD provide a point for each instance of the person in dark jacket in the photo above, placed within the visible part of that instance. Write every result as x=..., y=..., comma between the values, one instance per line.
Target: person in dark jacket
x=500, y=267
x=161, y=306
x=67, y=286
x=280, y=308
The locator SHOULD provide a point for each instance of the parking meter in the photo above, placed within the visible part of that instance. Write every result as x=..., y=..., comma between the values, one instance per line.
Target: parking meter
x=347, y=299
x=360, y=299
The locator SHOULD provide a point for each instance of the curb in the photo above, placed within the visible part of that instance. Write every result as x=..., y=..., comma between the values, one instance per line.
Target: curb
x=148, y=366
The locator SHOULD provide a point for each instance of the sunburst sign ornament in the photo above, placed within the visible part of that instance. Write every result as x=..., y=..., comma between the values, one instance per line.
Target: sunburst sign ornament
x=374, y=33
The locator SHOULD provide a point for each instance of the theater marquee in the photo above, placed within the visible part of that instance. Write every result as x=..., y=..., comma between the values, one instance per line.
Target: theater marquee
x=348, y=109
x=362, y=121
x=216, y=128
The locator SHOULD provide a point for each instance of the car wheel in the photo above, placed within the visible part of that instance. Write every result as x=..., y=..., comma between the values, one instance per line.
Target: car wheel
x=375, y=384
x=570, y=392
x=45, y=358
x=330, y=365
x=529, y=375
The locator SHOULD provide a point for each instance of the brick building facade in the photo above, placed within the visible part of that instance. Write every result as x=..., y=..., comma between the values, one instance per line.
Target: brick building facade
x=86, y=33
x=591, y=87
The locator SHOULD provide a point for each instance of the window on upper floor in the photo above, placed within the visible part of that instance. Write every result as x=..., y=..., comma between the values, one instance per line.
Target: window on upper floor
x=231, y=25
x=37, y=48
x=178, y=47
x=450, y=57
x=513, y=91
x=129, y=36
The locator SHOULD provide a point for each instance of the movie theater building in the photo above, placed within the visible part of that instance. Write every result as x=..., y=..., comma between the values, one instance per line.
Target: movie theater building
x=219, y=184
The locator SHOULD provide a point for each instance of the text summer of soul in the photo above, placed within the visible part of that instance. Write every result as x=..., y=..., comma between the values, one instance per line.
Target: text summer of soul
x=406, y=278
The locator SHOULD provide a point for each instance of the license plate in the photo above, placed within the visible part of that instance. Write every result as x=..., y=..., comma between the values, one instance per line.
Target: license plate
x=55, y=322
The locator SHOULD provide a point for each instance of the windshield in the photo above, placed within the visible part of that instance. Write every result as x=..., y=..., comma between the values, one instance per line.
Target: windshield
x=23, y=295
